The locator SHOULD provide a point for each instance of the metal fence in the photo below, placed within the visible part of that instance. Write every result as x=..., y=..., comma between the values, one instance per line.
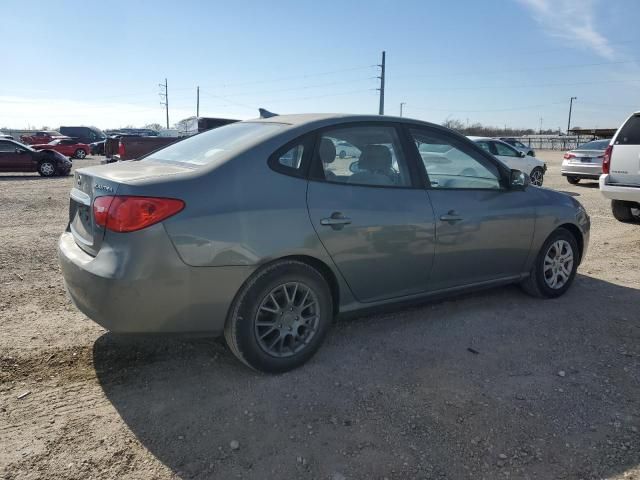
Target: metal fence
x=554, y=142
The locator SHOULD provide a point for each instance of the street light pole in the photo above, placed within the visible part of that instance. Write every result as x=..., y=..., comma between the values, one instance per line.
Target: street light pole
x=401, y=105
x=570, y=108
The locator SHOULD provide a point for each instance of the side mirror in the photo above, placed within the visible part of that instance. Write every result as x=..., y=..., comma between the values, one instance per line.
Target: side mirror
x=522, y=154
x=19, y=150
x=519, y=180
x=354, y=167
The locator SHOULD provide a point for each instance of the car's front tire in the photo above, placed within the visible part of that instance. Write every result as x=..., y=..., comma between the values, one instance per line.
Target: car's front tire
x=46, y=168
x=280, y=317
x=537, y=176
x=573, y=180
x=555, y=266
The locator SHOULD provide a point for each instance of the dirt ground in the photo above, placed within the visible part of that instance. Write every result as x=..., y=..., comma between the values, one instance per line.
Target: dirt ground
x=490, y=385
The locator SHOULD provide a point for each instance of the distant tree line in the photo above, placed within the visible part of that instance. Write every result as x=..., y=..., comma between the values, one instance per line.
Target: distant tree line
x=480, y=130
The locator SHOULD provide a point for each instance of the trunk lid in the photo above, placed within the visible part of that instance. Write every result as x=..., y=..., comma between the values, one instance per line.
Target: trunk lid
x=92, y=182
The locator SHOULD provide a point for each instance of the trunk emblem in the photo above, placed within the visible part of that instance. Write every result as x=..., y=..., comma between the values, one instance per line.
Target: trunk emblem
x=106, y=188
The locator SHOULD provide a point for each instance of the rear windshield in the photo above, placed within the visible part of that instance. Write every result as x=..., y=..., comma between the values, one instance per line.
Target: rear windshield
x=595, y=145
x=207, y=147
x=630, y=132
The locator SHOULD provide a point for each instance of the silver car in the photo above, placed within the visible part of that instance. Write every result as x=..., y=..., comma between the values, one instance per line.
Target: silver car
x=585, y=162
x=260, y=230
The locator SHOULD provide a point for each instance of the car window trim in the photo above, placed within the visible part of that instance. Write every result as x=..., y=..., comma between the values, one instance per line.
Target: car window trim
x=302, y=171
x=316, y=172
x=467, y=145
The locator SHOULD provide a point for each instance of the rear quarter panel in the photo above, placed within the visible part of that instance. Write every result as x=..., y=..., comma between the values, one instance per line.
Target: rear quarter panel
x=243, y=213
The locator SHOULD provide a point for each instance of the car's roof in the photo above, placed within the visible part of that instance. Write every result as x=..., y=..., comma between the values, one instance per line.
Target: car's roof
x=300, y=119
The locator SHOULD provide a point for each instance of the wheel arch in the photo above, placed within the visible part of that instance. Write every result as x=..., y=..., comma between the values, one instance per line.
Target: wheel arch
x=577, y=234
x=320, y=266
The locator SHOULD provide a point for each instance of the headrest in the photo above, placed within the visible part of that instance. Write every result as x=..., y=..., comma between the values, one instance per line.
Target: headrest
x=375, y=158
x=327, y=151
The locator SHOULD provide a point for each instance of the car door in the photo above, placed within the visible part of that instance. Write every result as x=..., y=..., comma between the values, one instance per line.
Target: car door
x=483, y=229
x=375, y=222
x=510, y=156
x=12, y=159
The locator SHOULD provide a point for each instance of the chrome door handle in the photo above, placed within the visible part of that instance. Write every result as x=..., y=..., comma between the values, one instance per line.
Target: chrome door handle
x=451, y=216
x=336, y=218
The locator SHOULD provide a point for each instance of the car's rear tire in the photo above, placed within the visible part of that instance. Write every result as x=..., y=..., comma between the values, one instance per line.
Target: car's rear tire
x=280, y=317
x=80, y=153
x=555, y=266
x=47, y=168
x=627, y=212
x=573, y=180
x=537, y=177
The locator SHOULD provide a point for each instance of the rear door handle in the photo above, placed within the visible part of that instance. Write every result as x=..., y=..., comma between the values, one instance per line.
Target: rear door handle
x=451, y=216
x=336, y=219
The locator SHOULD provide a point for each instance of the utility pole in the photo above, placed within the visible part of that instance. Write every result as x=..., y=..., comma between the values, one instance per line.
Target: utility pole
x=570, y=107
x=165, y=96
x=540, y=131
x=381, y=89
x=401, y=105
x=198, y=102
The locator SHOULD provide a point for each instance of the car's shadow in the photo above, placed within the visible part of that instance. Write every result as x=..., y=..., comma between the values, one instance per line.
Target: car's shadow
x=470, y=387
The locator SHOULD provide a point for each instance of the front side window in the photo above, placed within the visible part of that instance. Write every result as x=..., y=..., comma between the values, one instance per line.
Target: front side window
x=452, y=165
x=505, y=150
x=363, y=155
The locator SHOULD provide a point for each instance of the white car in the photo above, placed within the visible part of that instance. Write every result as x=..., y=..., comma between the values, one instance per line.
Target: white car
x=513, y=158
x=620, y=179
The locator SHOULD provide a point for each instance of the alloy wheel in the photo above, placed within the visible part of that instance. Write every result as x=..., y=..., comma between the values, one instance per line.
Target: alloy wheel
x=558, y=264
x=47, y=169
x=287, y=319
x=537, y=178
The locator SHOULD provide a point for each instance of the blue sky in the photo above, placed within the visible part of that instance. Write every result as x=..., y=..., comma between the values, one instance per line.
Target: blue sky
x=500, y=62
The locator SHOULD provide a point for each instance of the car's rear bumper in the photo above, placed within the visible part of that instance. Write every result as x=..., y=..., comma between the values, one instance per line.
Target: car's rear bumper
x=582, y=170
x=627, y=193
x=143, y=286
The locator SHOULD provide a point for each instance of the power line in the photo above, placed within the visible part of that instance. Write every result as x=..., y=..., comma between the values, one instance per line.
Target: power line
x=507, y=109
x=307, y=75
x=531, y=85
x=515, y=70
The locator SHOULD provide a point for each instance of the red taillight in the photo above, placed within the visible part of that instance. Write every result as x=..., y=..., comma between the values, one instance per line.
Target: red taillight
x=568, y=155
x=121, y=150
x=128, y=214
x=606, y=160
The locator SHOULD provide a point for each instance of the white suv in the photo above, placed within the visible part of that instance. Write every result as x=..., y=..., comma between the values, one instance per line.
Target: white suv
x=620, y=180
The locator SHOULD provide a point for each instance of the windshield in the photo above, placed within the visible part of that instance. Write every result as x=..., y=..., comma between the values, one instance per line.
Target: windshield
x=206, y=148
x=595, y=145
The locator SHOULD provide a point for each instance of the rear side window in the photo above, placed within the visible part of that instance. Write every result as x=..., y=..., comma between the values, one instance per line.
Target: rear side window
x=630, y=132
x=292, y=158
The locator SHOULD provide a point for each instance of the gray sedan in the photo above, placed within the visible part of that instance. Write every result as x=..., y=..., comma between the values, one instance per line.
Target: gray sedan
x=585, y=162
x=262, y=231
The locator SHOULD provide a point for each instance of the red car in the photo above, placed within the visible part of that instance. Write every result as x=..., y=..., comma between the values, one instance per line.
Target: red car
x=66, y=146
x=41, y=137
